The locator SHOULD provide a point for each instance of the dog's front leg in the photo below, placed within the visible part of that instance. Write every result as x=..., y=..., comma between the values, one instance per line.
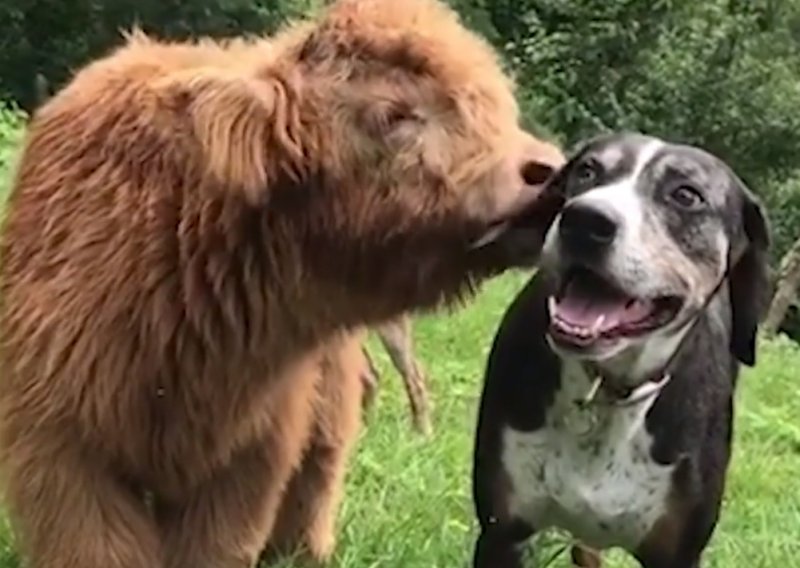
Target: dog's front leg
x=501, y=546
x=686, y=557
x=672, y=563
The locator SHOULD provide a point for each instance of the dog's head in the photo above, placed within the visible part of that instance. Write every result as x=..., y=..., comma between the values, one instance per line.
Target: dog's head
x=649, y=233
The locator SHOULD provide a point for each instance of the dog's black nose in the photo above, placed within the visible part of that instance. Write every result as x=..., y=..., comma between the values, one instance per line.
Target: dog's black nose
x=586, y=228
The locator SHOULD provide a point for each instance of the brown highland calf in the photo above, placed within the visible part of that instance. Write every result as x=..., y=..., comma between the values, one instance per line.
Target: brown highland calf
x=196, y=237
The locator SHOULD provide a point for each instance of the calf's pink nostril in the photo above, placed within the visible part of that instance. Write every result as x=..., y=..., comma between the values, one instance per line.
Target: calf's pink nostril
x=536, y=173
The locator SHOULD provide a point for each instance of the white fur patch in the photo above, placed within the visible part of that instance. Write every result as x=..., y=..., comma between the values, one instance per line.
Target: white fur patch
x=587, y=471
x=621, y=196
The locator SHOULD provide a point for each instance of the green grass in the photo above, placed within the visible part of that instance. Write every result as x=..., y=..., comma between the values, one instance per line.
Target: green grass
x=11, y=132
x=408, y=500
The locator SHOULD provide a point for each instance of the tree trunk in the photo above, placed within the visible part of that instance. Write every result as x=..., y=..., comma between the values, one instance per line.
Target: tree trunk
x=785, y=289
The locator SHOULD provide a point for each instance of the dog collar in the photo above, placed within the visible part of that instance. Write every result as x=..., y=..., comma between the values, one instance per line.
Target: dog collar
x=629, y=397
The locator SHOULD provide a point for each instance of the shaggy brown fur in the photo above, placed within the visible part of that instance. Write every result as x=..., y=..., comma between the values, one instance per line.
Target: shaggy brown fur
x=194, y=233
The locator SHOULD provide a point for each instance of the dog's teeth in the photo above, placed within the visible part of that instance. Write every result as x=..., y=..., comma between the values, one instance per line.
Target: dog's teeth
x=598, y=323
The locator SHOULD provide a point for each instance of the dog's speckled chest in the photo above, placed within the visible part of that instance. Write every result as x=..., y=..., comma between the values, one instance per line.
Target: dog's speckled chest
x=587, y=471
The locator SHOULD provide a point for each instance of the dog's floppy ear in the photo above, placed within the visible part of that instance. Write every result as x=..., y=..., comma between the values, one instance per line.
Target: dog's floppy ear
x=750, y=283
x=556, y=186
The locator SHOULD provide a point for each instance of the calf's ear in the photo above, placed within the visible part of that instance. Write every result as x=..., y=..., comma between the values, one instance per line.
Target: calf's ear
x=247, y=130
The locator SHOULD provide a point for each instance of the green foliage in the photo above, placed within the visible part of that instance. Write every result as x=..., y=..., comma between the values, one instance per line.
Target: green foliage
x=53, y=37
x=12, y=120
x=782, y=198
x=722, y=74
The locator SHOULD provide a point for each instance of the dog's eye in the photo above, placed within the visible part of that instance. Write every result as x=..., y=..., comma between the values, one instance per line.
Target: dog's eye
x=586, y=173
x=687, y=197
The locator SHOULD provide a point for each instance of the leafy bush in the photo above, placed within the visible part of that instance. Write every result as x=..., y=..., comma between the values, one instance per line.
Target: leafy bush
x=705, y=73
x=783, y=202
x=54, y=37
x=721, y=74
x=12, y=121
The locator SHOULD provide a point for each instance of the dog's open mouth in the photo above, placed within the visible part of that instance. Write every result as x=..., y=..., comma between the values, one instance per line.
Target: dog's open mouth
x=588, y=309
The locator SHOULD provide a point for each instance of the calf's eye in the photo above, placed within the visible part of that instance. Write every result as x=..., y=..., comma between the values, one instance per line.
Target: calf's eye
x=385, y=118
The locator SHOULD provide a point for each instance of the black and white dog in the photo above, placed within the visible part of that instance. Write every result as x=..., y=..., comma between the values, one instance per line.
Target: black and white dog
x=608, y=402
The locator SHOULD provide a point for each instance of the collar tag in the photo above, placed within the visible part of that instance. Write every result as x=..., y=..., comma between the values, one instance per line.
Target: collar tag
x=644, y=391
x=631, y=398
x=591, y=394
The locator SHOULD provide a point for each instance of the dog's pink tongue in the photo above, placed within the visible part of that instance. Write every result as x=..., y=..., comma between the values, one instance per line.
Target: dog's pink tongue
x=582, y=306
x=581, y=311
